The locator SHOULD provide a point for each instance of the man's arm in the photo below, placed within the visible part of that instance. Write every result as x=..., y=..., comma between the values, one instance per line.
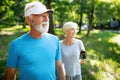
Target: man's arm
x=10, y=74
x=60, y=71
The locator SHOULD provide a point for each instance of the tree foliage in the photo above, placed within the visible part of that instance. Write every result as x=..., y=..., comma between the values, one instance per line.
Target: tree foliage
x=91, y=12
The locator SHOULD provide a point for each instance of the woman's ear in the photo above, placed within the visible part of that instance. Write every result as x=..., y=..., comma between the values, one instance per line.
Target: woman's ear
x=28, y=20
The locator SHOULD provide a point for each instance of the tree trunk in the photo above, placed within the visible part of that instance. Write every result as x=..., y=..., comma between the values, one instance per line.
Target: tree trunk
x=51, y=26
x=80, y=23
x=24, y=24
x=81, y=16
x=90, y=17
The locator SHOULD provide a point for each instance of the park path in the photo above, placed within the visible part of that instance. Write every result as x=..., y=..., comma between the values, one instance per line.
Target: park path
x=117, y=39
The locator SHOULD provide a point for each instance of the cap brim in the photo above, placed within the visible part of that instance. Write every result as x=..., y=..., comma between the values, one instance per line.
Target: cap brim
x=49, y=11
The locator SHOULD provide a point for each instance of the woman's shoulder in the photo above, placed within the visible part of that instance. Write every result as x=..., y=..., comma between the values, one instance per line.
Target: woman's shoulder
x=78, y=40
x=61, y=41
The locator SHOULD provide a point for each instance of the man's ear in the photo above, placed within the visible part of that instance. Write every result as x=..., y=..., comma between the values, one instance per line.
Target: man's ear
x=28, y=20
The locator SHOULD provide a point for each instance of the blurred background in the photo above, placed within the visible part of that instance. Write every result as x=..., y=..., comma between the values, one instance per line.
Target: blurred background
x=98, y=27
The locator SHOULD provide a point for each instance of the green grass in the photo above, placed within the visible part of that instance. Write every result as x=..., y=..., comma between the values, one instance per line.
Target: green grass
x=103, y=54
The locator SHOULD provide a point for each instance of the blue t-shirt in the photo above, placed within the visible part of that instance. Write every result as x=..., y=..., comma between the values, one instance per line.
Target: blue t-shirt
x=35, y=57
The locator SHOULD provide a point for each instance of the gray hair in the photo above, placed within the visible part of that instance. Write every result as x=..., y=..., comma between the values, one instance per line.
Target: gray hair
x=69, y=25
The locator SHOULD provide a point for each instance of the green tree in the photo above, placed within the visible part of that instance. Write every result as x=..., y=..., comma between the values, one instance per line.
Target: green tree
x=90, y=13
x=18, y=9
x=12, y=12
x=6, y=14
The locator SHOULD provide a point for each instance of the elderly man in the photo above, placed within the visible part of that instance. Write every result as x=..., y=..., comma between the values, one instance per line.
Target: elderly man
x=36, y=53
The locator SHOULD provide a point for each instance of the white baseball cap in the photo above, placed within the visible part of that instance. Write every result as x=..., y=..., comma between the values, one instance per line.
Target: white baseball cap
x=35, y=8
x=69, y=25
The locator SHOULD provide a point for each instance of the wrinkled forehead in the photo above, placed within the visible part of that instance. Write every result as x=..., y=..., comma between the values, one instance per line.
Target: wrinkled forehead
x=70, y=28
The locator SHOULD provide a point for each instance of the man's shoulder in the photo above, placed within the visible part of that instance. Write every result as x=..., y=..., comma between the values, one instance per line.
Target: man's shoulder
x=51, y=35
x=20, y=38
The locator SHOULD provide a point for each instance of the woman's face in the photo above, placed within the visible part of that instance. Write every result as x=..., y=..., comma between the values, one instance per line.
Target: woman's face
x=70, y=33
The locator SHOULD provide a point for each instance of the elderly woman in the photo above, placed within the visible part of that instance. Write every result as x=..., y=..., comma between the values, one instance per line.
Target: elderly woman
x=71, y=50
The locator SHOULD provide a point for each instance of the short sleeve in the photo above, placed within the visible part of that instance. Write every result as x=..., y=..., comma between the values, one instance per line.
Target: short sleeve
x=58, y=51
x=82, y=48
x=12, y=56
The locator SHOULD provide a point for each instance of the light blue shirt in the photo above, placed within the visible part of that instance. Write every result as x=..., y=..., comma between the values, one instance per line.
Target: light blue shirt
x=35, y=57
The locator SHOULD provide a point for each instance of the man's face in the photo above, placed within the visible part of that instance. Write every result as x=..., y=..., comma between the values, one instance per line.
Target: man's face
x=40, y=22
